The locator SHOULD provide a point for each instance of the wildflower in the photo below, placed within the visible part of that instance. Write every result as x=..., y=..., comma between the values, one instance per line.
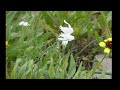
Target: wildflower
x=107, y=50
x=107, y=44
x=66, y=30
x=22, y=23
x=66, y=35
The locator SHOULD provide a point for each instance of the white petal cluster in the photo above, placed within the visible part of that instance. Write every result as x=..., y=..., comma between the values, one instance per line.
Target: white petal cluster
x=22, y=23
x=66, y=35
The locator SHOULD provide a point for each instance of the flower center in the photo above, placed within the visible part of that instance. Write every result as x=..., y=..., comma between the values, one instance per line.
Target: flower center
x=109, y=44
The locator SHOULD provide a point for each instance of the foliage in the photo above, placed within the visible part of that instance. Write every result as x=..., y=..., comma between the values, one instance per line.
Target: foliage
x=35, y=53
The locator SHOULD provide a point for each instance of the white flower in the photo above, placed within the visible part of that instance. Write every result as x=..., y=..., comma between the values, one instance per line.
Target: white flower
x=68, y=29
x=22, y=23
x=66, y=35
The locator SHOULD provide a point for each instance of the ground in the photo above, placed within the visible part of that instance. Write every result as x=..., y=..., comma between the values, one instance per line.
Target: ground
x=106, y=64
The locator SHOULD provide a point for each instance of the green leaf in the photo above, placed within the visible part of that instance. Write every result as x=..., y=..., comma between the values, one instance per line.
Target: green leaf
x=14, y=73
x=72, y=67
x=29, y=49
x=7, y=75
x=51, y=71
x=109, y=17
x=84, y=30
x=14, y=35
x=22, y=70
x=83, y=75
x=65, y=62
x=30, y=64
x=78, y=71
x=99, y=39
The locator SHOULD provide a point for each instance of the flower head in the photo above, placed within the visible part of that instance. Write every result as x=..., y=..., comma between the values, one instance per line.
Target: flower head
x=102, y=44
x=107, y=44
x=22, y=23
x=107, y=50
x=66, y=35
x=66, y=30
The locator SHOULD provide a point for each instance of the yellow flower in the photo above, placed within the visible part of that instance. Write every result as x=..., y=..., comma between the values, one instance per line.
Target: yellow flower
x=110, y=39
x=102, y=44
x=6, y=43
x=105, y=40
x=107, y=50
x=107, y=44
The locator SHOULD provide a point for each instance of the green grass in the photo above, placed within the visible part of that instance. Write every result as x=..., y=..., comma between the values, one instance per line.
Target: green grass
x=34, y=52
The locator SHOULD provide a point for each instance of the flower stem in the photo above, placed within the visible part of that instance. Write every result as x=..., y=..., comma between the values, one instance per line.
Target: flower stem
x=94, y=69
x=87, y=46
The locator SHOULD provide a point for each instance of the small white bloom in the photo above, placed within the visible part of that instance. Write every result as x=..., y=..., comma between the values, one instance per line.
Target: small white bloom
x=66, y=35
x=22, y=23
x=68, y=29
x=25, y=24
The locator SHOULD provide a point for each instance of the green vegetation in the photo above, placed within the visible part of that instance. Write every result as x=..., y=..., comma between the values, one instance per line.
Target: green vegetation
x=34, y=52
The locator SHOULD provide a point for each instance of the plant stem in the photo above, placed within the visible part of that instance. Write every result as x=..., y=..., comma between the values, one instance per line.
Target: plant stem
x=87, y=46
x=94, y=69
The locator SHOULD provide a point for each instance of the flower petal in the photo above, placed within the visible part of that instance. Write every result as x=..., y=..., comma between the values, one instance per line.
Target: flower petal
x=21, y=23
x=107, y=50
x=102, y=44
x=110, y=39
x=64, y=43
x=61, y=39
x=62, y=35
x=24, y=23
x=65, y=22
x=105, y=40
x=70, y=38
x=67, y=37
x=68, y=29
